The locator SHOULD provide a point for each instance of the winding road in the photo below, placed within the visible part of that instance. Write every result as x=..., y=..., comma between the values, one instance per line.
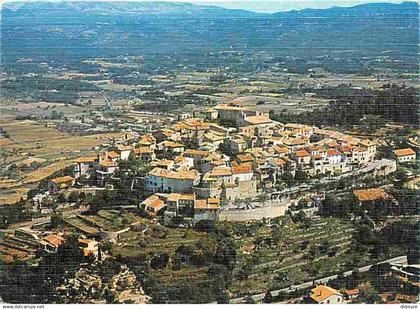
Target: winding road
x=258, y=297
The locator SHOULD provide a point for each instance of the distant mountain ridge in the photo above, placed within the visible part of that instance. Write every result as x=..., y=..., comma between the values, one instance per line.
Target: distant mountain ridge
x=362, y=10
x=76, y=30
x=101, y=8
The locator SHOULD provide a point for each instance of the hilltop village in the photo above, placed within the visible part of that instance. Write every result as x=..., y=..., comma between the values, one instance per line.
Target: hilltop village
x=173, y=153
x=196, y=165
x=163, y=198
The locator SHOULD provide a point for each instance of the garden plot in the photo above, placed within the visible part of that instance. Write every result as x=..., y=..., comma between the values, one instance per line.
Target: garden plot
x=155, y=239
x=81, y=226
x=13, y=248
x=108, y=215
x=104, y=221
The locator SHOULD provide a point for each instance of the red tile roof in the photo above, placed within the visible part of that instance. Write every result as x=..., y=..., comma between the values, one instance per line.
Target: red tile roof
x=404, y=152
x=185, y=175
x=352, y=292
x=197, y=152
x=241, y=169
x=170, y=144
x=245, y=157
x=112, y=154
x=173, y=197
x=85, y=241
x=302, y=153
x=221, y=171
x=279, y=162
x=322, y=292
x=333, y=152
x=281, y=150
x=54, y=240
x=89, y=159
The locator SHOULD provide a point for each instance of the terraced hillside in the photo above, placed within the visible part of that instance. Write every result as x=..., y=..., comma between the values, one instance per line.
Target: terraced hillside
x=156, y=238
x=279, y=255
x=104, y=221
x=14, y=247
x=187, y=271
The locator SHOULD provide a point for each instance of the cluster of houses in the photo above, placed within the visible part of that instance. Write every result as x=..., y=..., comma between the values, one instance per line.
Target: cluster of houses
x=51, y=244
x=181, y=206
x=230, y=153
x=31, y=240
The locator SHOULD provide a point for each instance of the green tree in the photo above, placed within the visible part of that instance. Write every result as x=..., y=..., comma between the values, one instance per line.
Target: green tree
x=249, y=300
x=108, y=296
x=176, y=261
x=159, y=260
x=73, y=197
x=302, y=204
x=300, y=177
x=268, y=298
x=226, y=253
x=328, y=207
x=223, y=298
x=288, y=178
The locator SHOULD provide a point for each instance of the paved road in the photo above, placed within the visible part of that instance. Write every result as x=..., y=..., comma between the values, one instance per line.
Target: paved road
x=414, y=143
x=308, y=284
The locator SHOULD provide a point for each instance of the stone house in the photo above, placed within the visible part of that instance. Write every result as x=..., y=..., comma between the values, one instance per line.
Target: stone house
x=57, y=184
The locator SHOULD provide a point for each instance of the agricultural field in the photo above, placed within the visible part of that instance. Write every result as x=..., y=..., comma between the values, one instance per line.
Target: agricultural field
x=266, y=102
x=11, y=196
x=156, y=239
x=263, y=95
x=269, y=255
x=12, y=190
x=105, y=221
x=36, y=152
x=38, y=109
x=14, y=247
x=31, y=138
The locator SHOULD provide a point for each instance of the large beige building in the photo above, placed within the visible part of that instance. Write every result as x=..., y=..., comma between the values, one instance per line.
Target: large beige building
x=406, y=155
x=162, y=180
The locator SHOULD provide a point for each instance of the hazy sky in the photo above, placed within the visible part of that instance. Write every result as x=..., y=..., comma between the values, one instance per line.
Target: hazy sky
x=262, y=5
